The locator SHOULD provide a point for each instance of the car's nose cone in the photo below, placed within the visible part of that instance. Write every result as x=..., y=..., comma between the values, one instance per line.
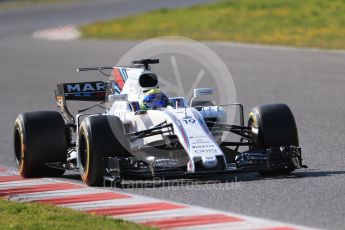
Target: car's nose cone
x=209, y=161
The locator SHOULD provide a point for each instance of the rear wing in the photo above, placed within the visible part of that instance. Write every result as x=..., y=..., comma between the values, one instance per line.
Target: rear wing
x=91, y=91
x=83, y=91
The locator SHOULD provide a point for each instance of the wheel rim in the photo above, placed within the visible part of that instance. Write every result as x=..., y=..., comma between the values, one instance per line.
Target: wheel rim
x=17, y=146
x=250, y=125
x=83, y=153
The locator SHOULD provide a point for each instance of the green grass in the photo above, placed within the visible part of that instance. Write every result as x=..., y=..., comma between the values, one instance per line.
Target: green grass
x=37, y=216
x=311, y=23
x=25, y=3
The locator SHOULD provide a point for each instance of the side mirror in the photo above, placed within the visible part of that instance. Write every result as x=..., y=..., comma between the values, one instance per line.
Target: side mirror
x=118, y=97
x=203, y=92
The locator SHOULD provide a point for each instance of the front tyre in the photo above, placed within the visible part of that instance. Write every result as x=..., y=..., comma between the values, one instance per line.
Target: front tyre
x=39, y=138
x=273, y=125
x=99, y=137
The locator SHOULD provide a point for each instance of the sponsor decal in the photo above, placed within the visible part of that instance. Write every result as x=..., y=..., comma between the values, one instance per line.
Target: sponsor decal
x=202, y=146
x=91, y=89
x=199, y=141
x=85, y=87
x=188, y=121
x=214, y=150
x=209, y=161
x=166, y=163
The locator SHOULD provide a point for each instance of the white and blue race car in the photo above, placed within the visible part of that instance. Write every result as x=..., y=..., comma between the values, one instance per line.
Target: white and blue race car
x=143, y=134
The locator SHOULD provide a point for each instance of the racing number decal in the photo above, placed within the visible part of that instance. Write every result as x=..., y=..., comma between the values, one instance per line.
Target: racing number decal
x=189, y=121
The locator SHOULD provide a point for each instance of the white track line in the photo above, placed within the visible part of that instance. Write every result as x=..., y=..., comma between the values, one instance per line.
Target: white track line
x=21, y=183
x=231, y=226
x=110, y=203
x=157, y=215
x=37, y=196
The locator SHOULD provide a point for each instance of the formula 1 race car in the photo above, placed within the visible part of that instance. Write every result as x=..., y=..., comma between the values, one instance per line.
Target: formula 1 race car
x=144, y=134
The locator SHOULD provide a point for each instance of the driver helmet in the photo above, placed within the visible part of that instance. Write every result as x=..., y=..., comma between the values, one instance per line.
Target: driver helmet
x=154, y=99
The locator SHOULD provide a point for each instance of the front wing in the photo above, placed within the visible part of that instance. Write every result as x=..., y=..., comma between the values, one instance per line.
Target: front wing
x=285, y=157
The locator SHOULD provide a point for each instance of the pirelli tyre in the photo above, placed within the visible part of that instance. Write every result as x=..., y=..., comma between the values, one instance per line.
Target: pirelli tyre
x=39, y=138
x=100, y=136
x=273, y=125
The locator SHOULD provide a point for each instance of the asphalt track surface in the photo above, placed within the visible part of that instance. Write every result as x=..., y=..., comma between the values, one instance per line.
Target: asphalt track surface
x=311, y=82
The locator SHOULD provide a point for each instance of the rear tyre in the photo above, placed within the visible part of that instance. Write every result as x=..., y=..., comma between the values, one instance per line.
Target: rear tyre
x=99, y=137
x=274, y=126
x=39, y=138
